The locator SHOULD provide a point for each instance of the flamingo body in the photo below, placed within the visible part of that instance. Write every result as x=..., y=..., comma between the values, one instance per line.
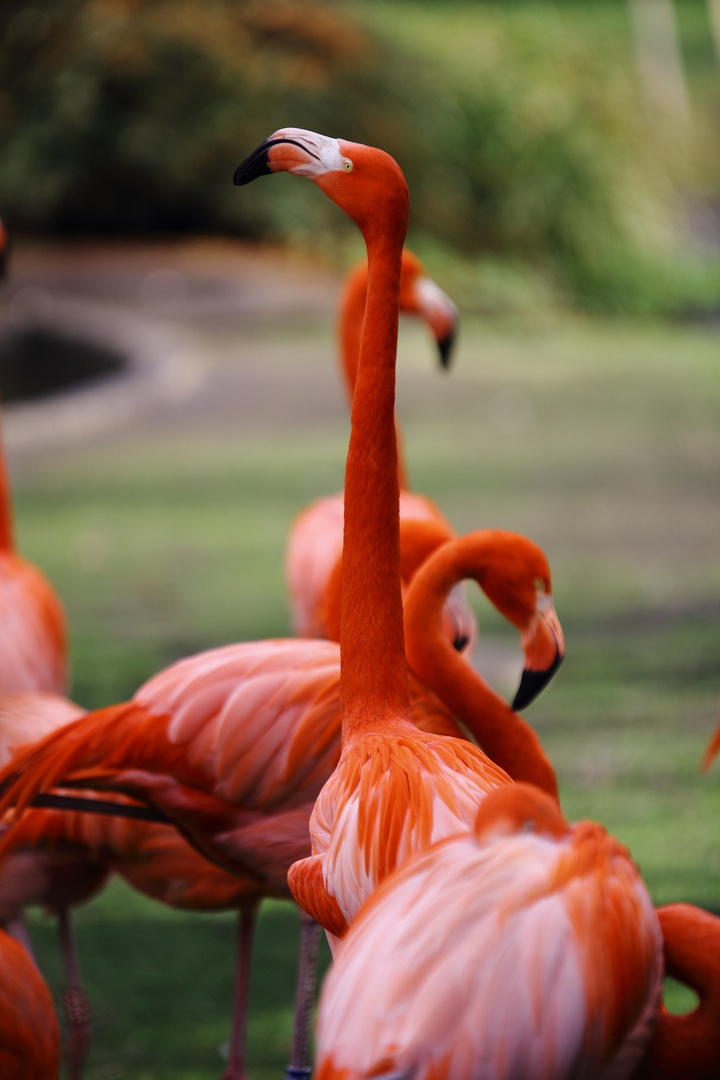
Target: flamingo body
x=523, y=956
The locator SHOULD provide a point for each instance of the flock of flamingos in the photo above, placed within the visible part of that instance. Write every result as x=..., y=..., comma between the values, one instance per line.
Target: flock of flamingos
x=476, y=935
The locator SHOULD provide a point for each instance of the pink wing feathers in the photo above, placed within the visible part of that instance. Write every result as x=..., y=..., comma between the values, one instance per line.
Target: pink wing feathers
x=523, y=958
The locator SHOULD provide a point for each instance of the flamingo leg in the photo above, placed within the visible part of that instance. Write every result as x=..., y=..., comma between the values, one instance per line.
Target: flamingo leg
x=299, y=1067
x=77, y=1009
x=247, y=919
x=17, y=928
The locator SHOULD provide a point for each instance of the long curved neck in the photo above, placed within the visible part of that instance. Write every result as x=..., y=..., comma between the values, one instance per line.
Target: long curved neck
x=352, y=314
x=688, y=1047
x=6, y=525
x=502, y=734
x=373, y=667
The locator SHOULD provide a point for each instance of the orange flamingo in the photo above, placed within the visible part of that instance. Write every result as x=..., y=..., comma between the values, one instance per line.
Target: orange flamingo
x=29, y=1030
x=524, y=950
x=314, y=548
x=688, y=1047
x=515, y=575
x=395, y=789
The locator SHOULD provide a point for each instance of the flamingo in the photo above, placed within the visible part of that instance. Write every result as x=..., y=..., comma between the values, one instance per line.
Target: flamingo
x=33, y=680
x=688, y=1047
x=396, y=789
x=29, y=1029
x=522, y=950
x=514, y=573
x=314, y=548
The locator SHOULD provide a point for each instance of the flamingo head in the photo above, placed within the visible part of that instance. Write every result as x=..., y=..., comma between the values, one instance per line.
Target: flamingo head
x=520, y=587
x=419, y=295
x=363, y=181
x=519, y=808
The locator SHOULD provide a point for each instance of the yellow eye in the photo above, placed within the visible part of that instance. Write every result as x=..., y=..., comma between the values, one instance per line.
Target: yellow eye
x=540, y=584
x=347, y=164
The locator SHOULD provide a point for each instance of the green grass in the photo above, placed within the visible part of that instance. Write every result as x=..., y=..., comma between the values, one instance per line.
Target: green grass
x=598, y=439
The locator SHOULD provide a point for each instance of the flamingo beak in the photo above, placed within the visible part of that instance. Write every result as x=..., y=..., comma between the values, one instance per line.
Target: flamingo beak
x=445, y=345
x=441, y=315
x=544, y=647
x=294, y=150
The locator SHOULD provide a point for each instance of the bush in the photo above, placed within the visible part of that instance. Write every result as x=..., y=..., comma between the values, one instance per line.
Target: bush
x=130, y=116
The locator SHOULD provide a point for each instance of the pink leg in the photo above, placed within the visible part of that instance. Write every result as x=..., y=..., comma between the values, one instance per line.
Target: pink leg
x=236, y=1069
x=77, y=1009
x=299, y=1067
x=17, y=928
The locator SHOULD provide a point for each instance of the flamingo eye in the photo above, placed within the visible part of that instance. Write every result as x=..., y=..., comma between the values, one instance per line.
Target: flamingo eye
x=540, y=584
x=347, y=164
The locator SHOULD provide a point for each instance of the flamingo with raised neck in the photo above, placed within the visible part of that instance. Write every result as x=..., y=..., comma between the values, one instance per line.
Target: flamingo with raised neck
x=395, y=789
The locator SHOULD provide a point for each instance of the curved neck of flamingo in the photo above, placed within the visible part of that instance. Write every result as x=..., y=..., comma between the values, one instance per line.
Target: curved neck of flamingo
x=6, y=525
x=373, y=680
x=352, y=314
x=501, y=733
x=688, y=1046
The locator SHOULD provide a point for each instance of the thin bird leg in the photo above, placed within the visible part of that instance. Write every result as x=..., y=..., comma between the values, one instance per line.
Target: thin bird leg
x=77, y=1009
x=247, y=919
x=17, y=927
x=299, y=1067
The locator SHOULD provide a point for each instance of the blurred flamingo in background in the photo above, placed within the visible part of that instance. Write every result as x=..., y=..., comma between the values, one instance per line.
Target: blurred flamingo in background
x=313, y=553
x=523, y=950
x=29, y=1030
x=33, y=680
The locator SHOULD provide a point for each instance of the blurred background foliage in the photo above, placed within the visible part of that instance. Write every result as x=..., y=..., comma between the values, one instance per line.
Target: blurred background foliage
x=527, y=146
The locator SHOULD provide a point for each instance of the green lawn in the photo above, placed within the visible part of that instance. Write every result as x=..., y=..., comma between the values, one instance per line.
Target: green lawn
x=598, y=439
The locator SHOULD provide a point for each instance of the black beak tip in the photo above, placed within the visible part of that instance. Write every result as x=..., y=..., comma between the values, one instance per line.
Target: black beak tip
x=533, y=683
x=445, y=346
x=254, y=165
